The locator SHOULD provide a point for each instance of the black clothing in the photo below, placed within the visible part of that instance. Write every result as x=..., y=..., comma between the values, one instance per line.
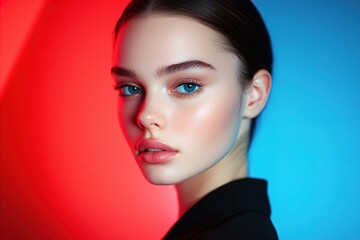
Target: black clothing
x=237, y=210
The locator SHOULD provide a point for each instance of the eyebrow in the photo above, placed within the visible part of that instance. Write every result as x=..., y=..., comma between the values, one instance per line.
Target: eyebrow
x=122, y=72
x=183, y=66
x=167, y=70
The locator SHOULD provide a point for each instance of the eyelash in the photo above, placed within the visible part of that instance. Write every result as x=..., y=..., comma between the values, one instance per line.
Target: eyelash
x=121, y=85
x=195, y=82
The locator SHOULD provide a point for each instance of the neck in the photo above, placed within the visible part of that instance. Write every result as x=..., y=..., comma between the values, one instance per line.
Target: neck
x=234, y=166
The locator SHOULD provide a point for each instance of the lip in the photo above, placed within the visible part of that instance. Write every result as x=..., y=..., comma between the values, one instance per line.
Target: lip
x=153, y=151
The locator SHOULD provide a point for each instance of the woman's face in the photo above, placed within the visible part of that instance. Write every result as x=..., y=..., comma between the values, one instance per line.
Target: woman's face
x=180, y=104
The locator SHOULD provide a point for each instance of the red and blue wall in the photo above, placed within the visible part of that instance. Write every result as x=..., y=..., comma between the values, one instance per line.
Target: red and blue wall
x=65, y=169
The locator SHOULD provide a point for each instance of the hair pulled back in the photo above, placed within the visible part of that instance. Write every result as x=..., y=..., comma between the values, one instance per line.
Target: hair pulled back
x=238, y=21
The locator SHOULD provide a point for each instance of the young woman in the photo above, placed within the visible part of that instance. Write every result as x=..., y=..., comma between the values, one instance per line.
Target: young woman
x=192, y=76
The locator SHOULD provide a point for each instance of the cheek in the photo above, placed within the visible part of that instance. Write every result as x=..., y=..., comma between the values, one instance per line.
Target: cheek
x=127, y=114
x=211, y=125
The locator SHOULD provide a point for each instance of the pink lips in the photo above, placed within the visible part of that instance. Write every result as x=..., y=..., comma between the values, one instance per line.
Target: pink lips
x=153, y=151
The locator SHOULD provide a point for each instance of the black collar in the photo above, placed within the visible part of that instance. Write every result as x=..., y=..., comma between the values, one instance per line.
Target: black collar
x=236, y=197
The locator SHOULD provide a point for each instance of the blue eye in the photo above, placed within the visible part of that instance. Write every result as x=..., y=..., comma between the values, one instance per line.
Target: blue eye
x=129, y=90
x=187, y=88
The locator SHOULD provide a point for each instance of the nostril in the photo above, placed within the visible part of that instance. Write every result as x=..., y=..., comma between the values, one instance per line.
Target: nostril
x=151, y=120
x=139, y=123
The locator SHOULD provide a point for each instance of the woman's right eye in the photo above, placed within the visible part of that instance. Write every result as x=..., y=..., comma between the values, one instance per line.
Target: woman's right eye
x=128, y=90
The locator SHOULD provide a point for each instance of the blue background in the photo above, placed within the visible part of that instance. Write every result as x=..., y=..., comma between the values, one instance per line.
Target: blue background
x=307, y=140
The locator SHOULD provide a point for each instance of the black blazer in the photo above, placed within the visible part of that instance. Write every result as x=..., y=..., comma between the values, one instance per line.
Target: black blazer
x=237, y=210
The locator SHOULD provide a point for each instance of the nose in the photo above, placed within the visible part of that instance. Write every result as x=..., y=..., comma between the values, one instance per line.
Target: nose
x=151, y=115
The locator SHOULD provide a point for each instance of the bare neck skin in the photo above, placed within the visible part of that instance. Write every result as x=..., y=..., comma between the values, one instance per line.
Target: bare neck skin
x=234, y=166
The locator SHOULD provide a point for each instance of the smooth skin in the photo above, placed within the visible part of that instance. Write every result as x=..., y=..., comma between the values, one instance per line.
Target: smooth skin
x=178, y=84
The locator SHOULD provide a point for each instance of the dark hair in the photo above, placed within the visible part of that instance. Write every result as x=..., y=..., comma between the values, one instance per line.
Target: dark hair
x=238, y=21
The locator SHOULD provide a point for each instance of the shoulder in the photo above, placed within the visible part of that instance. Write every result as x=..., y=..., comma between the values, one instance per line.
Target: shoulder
x=248, y=225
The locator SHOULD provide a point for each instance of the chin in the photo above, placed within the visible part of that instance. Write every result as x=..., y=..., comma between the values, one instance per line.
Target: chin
x=159, y=180
x=160, y=175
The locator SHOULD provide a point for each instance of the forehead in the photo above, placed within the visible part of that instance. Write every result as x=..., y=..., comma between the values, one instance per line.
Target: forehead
x=166, y=39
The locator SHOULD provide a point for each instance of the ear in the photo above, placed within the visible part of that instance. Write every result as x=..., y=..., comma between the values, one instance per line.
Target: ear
x=257, y=94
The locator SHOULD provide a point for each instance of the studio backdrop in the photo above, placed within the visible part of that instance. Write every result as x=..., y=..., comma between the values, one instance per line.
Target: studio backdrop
x=66, y=171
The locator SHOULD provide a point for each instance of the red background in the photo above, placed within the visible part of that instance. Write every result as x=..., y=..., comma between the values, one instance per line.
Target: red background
x=66, y=171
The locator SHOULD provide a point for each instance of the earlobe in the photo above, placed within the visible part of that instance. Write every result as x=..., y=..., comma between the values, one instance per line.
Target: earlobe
x=257, y=94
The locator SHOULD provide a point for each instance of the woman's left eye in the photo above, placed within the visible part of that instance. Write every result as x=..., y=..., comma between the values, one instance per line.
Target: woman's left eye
x=186, y=88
